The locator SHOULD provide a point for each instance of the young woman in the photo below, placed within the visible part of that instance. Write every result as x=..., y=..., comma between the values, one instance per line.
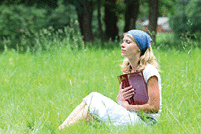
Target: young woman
x=138, y=57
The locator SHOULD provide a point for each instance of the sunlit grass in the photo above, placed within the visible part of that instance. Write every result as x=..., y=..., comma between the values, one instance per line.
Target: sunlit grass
x=38, y=91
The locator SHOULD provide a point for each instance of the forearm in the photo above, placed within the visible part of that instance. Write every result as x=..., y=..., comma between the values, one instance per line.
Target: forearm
x=148, y=108
x=142, y=108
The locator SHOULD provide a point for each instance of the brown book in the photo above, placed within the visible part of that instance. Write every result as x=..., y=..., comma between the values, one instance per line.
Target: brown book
x=136, y=80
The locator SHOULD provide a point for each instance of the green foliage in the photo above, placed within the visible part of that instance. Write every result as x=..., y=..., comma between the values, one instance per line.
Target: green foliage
x=22, y=27
x=187, y=19
x=178, y=22
x=37, y=3
x=193, y=13
x=166, y=7
x=9, y=2
x=16, y=20
x=62, y=16
x=48, y=39
x=95, y=27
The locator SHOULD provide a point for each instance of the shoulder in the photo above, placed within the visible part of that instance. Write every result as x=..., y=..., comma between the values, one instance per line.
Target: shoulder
x=150, y=71
x=150, y=67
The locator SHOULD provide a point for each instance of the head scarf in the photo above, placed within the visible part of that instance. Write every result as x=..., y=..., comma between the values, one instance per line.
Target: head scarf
x=142, y=39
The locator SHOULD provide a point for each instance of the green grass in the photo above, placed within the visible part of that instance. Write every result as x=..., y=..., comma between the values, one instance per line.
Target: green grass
x=38, y=91
x=167, y=41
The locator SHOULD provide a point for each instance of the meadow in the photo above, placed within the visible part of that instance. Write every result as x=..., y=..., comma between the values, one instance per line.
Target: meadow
x=39, y=90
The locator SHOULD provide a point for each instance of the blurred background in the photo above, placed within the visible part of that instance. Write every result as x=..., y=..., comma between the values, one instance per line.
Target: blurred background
x=25, y=23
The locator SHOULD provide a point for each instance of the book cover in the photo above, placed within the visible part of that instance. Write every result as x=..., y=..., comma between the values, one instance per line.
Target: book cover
x=136, y=80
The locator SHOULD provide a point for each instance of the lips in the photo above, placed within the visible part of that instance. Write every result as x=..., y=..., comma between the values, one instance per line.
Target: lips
x=122, y=50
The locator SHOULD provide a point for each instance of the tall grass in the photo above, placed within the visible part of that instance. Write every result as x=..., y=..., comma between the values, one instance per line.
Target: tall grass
x=38, y=91
x=167, y=41
x=47, y=39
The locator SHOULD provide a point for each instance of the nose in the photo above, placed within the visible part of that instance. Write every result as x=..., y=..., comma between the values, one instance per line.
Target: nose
x=122, y=45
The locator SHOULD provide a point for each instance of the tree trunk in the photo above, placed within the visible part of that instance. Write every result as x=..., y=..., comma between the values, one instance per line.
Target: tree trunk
x=84, y=12
x=111, y=30
x=131, y=14
x=80, y=18
x=153, y=17
x=99, y=22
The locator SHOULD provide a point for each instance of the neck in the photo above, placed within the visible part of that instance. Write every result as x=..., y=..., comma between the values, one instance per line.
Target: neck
x=134, y=63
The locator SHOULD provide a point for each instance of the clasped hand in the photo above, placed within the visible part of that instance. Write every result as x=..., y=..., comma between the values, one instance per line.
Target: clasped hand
x=126, y=93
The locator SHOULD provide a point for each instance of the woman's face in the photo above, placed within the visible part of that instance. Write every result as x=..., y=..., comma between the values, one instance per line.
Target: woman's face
x=129, y=48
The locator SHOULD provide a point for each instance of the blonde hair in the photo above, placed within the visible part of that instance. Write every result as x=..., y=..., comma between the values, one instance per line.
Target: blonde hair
x=147, y=58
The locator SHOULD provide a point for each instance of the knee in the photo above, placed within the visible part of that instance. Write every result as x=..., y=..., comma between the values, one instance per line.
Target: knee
x=92, y=95
x=95, y=95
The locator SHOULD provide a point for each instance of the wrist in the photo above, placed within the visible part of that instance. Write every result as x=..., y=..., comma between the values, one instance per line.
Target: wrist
x=124, y=104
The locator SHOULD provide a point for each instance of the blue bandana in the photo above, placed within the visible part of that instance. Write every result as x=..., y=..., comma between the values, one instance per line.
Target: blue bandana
x=142, y=39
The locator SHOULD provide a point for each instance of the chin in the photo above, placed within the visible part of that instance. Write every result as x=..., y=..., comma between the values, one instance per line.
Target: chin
x=123, y=55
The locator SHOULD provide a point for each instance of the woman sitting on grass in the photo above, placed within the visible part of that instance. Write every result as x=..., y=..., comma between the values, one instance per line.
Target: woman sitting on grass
x=139, y=57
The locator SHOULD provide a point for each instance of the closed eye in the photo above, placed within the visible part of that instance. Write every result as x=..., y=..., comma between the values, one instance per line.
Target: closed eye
x=128, y=42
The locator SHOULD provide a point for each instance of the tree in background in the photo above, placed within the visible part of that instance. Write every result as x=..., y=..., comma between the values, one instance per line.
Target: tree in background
x=110, y=19
x=153, y=17
x=152, y=9
x=59, y=13
x=99, y=22
x=131, y=14
x=84, y=10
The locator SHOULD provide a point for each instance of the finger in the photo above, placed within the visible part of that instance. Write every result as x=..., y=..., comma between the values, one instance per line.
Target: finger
x=128, y=97
x=128, y=94
x=127, y=88
x=129, y=91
